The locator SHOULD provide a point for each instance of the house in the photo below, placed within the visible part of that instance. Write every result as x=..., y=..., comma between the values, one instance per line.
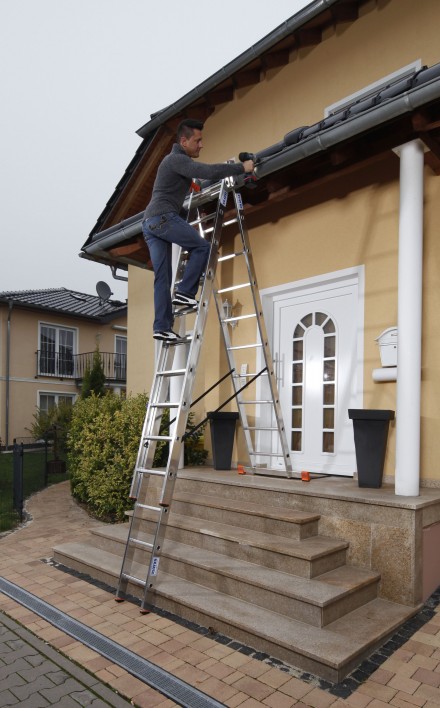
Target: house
x=47, y=340
x=341, y=105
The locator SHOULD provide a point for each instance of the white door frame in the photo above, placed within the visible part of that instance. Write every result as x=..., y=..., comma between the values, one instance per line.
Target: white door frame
x=347, y=276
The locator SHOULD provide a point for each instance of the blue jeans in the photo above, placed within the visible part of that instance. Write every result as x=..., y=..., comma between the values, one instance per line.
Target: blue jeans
x=160, y=232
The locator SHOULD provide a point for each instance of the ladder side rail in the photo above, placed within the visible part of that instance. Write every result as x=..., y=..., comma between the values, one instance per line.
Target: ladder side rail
x=232, y=365
x=185, y=400
x=263, y=334
x=153, y=417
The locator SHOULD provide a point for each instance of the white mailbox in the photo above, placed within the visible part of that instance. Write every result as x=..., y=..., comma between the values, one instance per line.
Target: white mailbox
x=387, y=342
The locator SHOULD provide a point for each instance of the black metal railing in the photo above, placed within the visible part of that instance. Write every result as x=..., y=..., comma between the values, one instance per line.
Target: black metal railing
x=74, y=366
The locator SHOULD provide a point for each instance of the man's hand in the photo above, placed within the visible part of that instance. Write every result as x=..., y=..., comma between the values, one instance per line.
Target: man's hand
x=248, y=166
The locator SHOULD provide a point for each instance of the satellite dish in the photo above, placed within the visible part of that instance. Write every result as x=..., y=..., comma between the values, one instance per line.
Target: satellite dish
x=103, y=290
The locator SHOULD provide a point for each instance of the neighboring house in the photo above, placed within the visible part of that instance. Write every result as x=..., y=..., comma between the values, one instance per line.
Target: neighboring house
x=341, y=104
x=47, y=340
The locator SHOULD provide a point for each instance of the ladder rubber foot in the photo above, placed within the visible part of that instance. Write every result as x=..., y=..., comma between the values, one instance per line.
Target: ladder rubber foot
x=164, y=506
x=144, y=612
x=133, y=498
x=119, y=599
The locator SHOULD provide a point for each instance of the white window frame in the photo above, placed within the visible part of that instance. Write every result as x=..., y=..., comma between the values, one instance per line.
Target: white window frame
x=117, y=365
x=57, y=327
x=57, y=395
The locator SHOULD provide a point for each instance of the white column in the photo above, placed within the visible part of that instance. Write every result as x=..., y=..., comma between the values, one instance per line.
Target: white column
x=409, y=321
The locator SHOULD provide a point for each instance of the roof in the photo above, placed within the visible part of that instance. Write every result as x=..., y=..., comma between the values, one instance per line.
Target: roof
x=279, y=41
x=392, y=114
x=67, y=302
x=302, y=30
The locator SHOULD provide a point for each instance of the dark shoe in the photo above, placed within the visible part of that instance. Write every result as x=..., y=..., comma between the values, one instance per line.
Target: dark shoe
x=185, y=301
x=168, y=336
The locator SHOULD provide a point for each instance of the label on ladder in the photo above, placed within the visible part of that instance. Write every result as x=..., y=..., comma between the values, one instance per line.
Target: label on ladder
x=155, y=565
x=224, y=198
x=239, y=201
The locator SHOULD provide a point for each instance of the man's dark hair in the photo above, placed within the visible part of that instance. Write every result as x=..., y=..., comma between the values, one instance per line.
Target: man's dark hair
x=187, y=126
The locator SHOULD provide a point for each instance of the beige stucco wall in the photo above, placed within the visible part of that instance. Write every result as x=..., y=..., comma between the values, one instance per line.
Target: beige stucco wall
x=349, y=222
x=24, y=342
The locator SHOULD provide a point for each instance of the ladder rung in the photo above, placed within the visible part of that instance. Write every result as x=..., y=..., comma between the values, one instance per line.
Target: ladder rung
x=157, y=473
x=240, y=317
x=233, y=287
x=201, y=219
x=255, y=427
x=147, y=506
x=225, y=223
x=231, y=255
x=172, y=372
x=245, y=346
x=254, y=402
x=138, y=542
x=159, y=438
x=165, y=404
x=267, y=454
x=250, y=376
x=136, y=581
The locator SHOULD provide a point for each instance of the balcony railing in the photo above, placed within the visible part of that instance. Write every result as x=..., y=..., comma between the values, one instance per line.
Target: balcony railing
x=73, y=366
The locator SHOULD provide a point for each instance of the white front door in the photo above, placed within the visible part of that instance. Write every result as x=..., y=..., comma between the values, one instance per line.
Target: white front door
x=317, y=347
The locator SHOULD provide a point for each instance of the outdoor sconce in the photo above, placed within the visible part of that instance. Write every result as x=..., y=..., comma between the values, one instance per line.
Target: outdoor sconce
x=227, y=312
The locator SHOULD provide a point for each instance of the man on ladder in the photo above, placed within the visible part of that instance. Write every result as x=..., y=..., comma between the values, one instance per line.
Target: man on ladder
x=162, y=225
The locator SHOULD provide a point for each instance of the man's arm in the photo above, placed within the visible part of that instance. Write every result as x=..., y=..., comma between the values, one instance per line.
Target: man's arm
x=187, y=167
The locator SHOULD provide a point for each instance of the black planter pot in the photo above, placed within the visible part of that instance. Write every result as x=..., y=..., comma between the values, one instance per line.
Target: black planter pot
x=222, y=438
x=370, y=429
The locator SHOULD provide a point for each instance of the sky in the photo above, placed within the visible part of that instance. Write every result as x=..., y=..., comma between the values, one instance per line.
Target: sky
x=78, y=78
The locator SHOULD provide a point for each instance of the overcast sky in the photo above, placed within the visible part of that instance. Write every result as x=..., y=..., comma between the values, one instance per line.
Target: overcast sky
x=78, y=78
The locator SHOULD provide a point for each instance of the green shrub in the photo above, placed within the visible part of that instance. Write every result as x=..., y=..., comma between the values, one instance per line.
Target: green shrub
x=103, y=444
x=94, y=377
x=53, y=426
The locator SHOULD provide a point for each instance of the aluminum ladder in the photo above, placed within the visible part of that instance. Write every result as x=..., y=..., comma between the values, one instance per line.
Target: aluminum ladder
x=152, y=488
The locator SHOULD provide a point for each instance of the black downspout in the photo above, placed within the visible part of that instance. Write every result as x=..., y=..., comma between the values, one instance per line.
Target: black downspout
x=8, y=360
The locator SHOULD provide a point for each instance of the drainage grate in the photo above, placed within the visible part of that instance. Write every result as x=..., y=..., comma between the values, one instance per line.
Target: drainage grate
x=170, y=686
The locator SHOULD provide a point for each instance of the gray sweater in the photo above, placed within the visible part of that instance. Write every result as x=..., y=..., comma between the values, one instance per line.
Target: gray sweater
x=174, y=177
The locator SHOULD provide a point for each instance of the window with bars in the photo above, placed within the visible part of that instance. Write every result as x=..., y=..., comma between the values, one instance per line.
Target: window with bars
x=328, y=380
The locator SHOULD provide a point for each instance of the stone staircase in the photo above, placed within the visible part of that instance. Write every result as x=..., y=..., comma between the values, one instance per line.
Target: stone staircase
x=258, y=573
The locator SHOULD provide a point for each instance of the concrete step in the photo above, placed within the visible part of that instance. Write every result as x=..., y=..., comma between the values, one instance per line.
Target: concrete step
x=291, y=523
x=330, y=652
x=316, y=602
x=308, y=557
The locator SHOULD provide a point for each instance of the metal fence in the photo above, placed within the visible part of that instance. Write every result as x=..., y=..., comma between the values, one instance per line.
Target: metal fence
x=26, y=468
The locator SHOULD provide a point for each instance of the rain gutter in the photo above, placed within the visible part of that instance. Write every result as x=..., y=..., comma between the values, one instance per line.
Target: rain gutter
x=349, y=128
x=282, y=31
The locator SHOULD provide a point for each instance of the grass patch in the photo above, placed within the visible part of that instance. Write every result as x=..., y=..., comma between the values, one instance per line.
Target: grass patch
x=34, y=467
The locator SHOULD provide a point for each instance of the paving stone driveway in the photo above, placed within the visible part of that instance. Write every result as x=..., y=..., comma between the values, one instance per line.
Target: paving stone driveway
x=33, y=674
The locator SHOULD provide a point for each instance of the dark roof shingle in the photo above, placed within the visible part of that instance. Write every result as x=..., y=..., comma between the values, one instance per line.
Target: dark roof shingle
x=69, y=302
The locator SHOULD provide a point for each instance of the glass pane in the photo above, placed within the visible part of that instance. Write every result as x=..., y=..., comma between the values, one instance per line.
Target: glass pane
x=296, y=441
x=65, y=400
x=329, y=418
x=121, y=345
x=329, y=346
x=328, y=444
x=299, y=331
x=297, y=418
x=297, y=395
x=297, y=373
x=329, y=394
x=298, y=348
x=320, y=317
x=47, y=402
x=307, y=320
x=329, y=327
x=329, y=370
